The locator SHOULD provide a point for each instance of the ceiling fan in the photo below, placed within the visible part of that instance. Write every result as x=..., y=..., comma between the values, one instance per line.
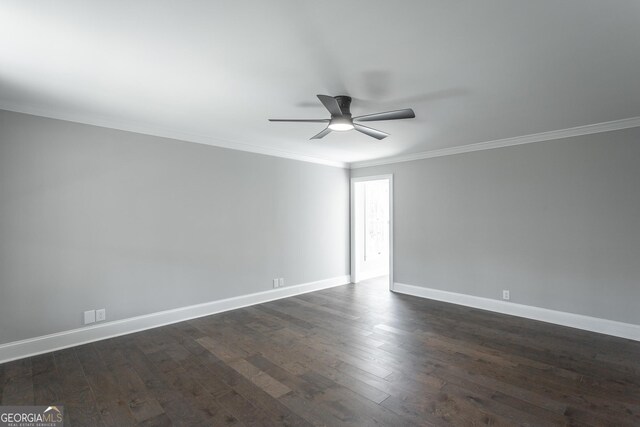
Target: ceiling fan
x=341, y=120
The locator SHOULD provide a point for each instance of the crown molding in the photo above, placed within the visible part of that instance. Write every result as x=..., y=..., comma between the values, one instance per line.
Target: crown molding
x=507, y=142
x=148, y=129
x=153, y=130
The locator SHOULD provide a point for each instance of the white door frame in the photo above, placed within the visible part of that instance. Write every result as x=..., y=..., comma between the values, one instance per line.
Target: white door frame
x=354, y=273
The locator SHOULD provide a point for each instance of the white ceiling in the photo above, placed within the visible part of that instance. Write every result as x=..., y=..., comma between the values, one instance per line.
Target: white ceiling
x=214, y=71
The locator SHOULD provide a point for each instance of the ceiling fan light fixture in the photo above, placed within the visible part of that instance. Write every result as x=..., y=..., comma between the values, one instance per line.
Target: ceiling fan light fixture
x=340, y=124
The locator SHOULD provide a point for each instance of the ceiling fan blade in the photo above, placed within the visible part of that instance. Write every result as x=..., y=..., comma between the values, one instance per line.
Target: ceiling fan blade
x=301, y=120
x=377, y=134
x=330, y=104
x=322, y=134
x=407, y=113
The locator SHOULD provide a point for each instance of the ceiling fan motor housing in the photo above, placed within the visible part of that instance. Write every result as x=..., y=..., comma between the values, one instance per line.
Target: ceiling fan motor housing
x=344, y=102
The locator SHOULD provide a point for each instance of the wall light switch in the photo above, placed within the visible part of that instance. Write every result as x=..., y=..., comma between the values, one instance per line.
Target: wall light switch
x=280, y=282
x=89, y=317
x=101, y=315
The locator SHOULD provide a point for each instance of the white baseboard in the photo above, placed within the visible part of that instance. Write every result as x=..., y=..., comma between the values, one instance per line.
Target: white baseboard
x=47, y=343
x=579, y=321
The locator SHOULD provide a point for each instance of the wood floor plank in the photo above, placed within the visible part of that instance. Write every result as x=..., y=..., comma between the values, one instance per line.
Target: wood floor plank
x=79, y=400
x=47, y=389
x=113, y=403
x=18, y=383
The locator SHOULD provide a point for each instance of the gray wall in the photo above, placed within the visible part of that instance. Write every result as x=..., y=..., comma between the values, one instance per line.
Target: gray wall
x=557, y=223
x=98, y=218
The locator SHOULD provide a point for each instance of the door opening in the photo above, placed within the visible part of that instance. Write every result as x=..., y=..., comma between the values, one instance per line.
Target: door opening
x=371, y=229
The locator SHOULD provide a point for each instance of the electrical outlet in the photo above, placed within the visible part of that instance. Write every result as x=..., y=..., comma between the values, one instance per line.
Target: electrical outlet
x=275, y=283
x=281, y=282
x=101, y=315
x=506, y=295
x=89, y=317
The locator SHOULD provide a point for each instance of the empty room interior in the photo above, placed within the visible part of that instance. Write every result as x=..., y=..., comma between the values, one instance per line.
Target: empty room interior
x=320, y=213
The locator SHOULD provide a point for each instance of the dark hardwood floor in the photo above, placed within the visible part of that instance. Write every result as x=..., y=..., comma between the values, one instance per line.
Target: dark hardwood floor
x=351, y=355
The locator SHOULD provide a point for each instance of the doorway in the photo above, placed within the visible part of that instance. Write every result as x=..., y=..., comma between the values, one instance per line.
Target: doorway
x=372, y=229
